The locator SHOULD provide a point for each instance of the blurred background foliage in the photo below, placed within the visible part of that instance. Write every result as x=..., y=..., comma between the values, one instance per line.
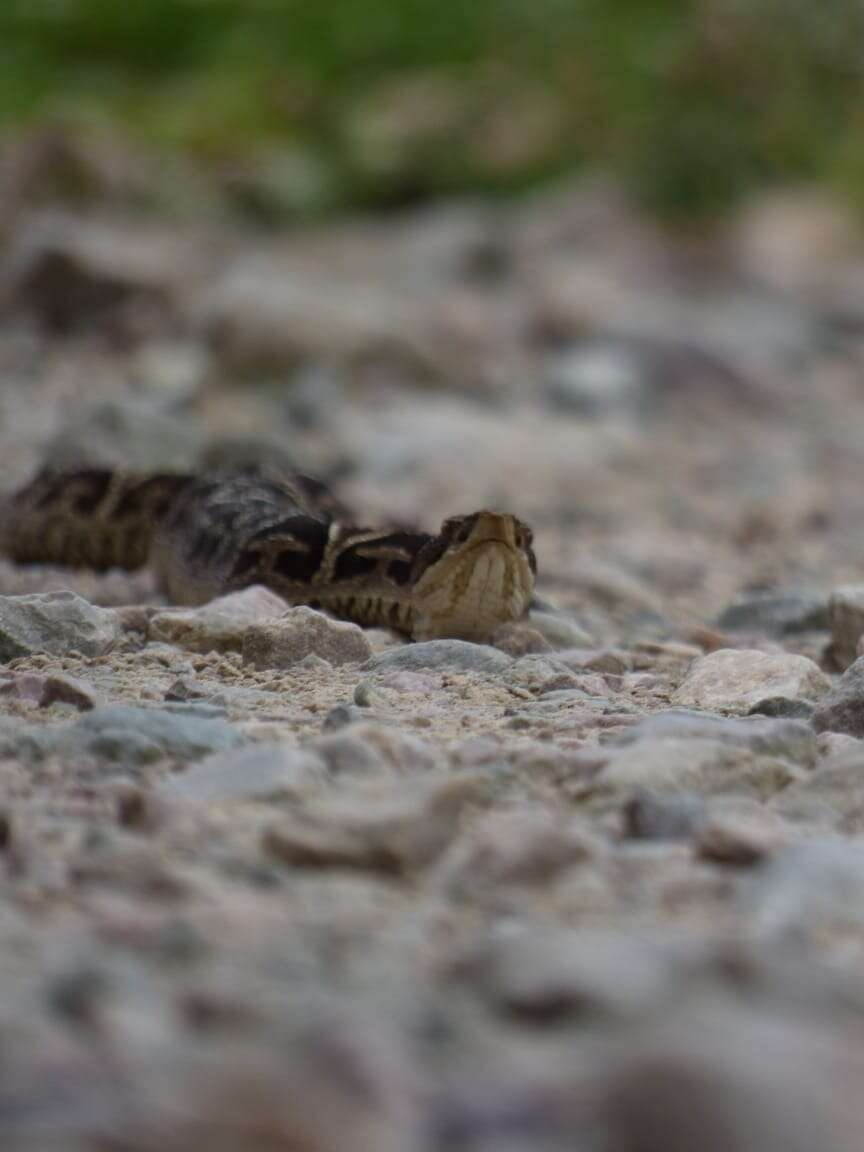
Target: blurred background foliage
x=384, y=102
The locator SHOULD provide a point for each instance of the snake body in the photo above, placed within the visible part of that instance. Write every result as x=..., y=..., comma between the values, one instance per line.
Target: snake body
x=209, y=534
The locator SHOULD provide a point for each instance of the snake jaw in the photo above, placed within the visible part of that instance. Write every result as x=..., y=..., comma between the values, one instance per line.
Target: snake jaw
x=483, y=577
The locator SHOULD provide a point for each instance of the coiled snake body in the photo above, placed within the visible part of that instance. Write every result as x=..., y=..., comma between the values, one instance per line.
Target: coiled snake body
x=210, y=534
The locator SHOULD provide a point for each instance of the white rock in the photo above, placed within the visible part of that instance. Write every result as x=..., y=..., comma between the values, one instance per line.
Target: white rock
x=739, y=680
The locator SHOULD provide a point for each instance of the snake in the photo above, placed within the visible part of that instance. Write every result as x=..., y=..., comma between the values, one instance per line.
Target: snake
x=207, y=534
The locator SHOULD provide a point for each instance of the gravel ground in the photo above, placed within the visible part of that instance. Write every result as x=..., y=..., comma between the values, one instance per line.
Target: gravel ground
x=600, y=887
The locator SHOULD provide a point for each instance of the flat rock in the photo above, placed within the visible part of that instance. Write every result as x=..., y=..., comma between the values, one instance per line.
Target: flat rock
x=219, y=626
x=846, y=621
x=258, y=772
x=378, y=834
x=367, y=748
x=842, y=709
x=55, y=623
x=122, y=734
x=793, y=739
x=43, y=691
x=739, y=680
x=303, y=632
x=454, y=655
x=776, y=612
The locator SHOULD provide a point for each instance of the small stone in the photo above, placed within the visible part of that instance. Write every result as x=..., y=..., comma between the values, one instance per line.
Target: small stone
x=301, y=632
x=776, y=612
x=741, y=836
x=559, y=629
x=792, y=739
x=260, y=772
x=519, y=639
x=655, y=816
x=846, y=621
x=842, y=709
x=47, y=690
x=340, y=716
x=739, y=680
x=599, y=378
x=381, y=836
x=560, y=976
x=807, y=884
x=451, y=655
x=540, y=675
x=55, y=623
x=832, y=796
x=529, y=847
x=366, y=748
x=219, y=626
x=122, y=734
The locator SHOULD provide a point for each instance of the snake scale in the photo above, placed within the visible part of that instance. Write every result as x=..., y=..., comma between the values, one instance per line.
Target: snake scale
x=208, y=534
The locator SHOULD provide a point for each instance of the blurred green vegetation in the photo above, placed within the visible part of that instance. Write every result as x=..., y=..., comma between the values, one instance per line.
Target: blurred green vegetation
x=386, y=101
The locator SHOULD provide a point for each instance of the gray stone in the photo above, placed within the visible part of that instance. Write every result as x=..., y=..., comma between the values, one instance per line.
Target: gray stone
x=599, y=378
x=777, y=612
x=792, y=739
x=258, y=772
x=807, y=885
x=452, y=655
x=340, y=716
x=655, y=816
x=739, y=680
x=303, y=632
x=842, y=709
x=559, y=629
x=55, y=623
x=122, y=734
x=846, y=620
x=556, y=976
x=540, y=674
x=366, y=748
x=44, y=691
x=219, y=626
x=742, y=834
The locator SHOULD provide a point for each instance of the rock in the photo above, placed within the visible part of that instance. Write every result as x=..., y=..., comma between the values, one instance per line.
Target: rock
x=540, y=675
x=832, y=796
x=739, y=680
x=846, y=620
x=606, y=661
x=219, y=626
x=559, y=629
x=519, y=639
x=303, y=632
x=122, y=734
x=792, y=739
x=806, y=886
x=379, y=835
x=340, y=716
x=44, y=691
x=781, y=707
x=740, y=835
x=365, y=748
x=599, y=378
x=530, y=847
x=258, y=772
x=548, y=977
x=129, y=433
x=55, y=623
x=655, y=816
x=842, y=709
x=452, y=655
x=706, y=767
x=776, y=612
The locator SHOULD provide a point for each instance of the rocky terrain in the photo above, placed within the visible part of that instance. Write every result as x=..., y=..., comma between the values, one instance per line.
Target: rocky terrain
x=270, y=881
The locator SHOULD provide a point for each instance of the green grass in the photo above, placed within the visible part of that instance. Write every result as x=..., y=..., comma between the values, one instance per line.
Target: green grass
x=693, y=103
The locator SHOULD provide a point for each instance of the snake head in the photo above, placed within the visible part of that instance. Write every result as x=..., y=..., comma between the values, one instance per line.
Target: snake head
x=475, y=575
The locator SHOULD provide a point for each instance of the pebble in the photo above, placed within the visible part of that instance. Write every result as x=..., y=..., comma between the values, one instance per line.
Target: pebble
x=777, y=612
x=739, y=680
x=366, y=748
x=742, y=835
x=842, y=709
x=259, y=772
x=657, y=816
x=539, y=675
x=55, y=623
x=382, y=834
x=43, y=691
x=122, y=734
x=559, y=629
x=599, y=378
x=792, y=739
x=219, y=626
x=453, y=655
x=846, y=620
x=807, y=885
x=302, y=632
